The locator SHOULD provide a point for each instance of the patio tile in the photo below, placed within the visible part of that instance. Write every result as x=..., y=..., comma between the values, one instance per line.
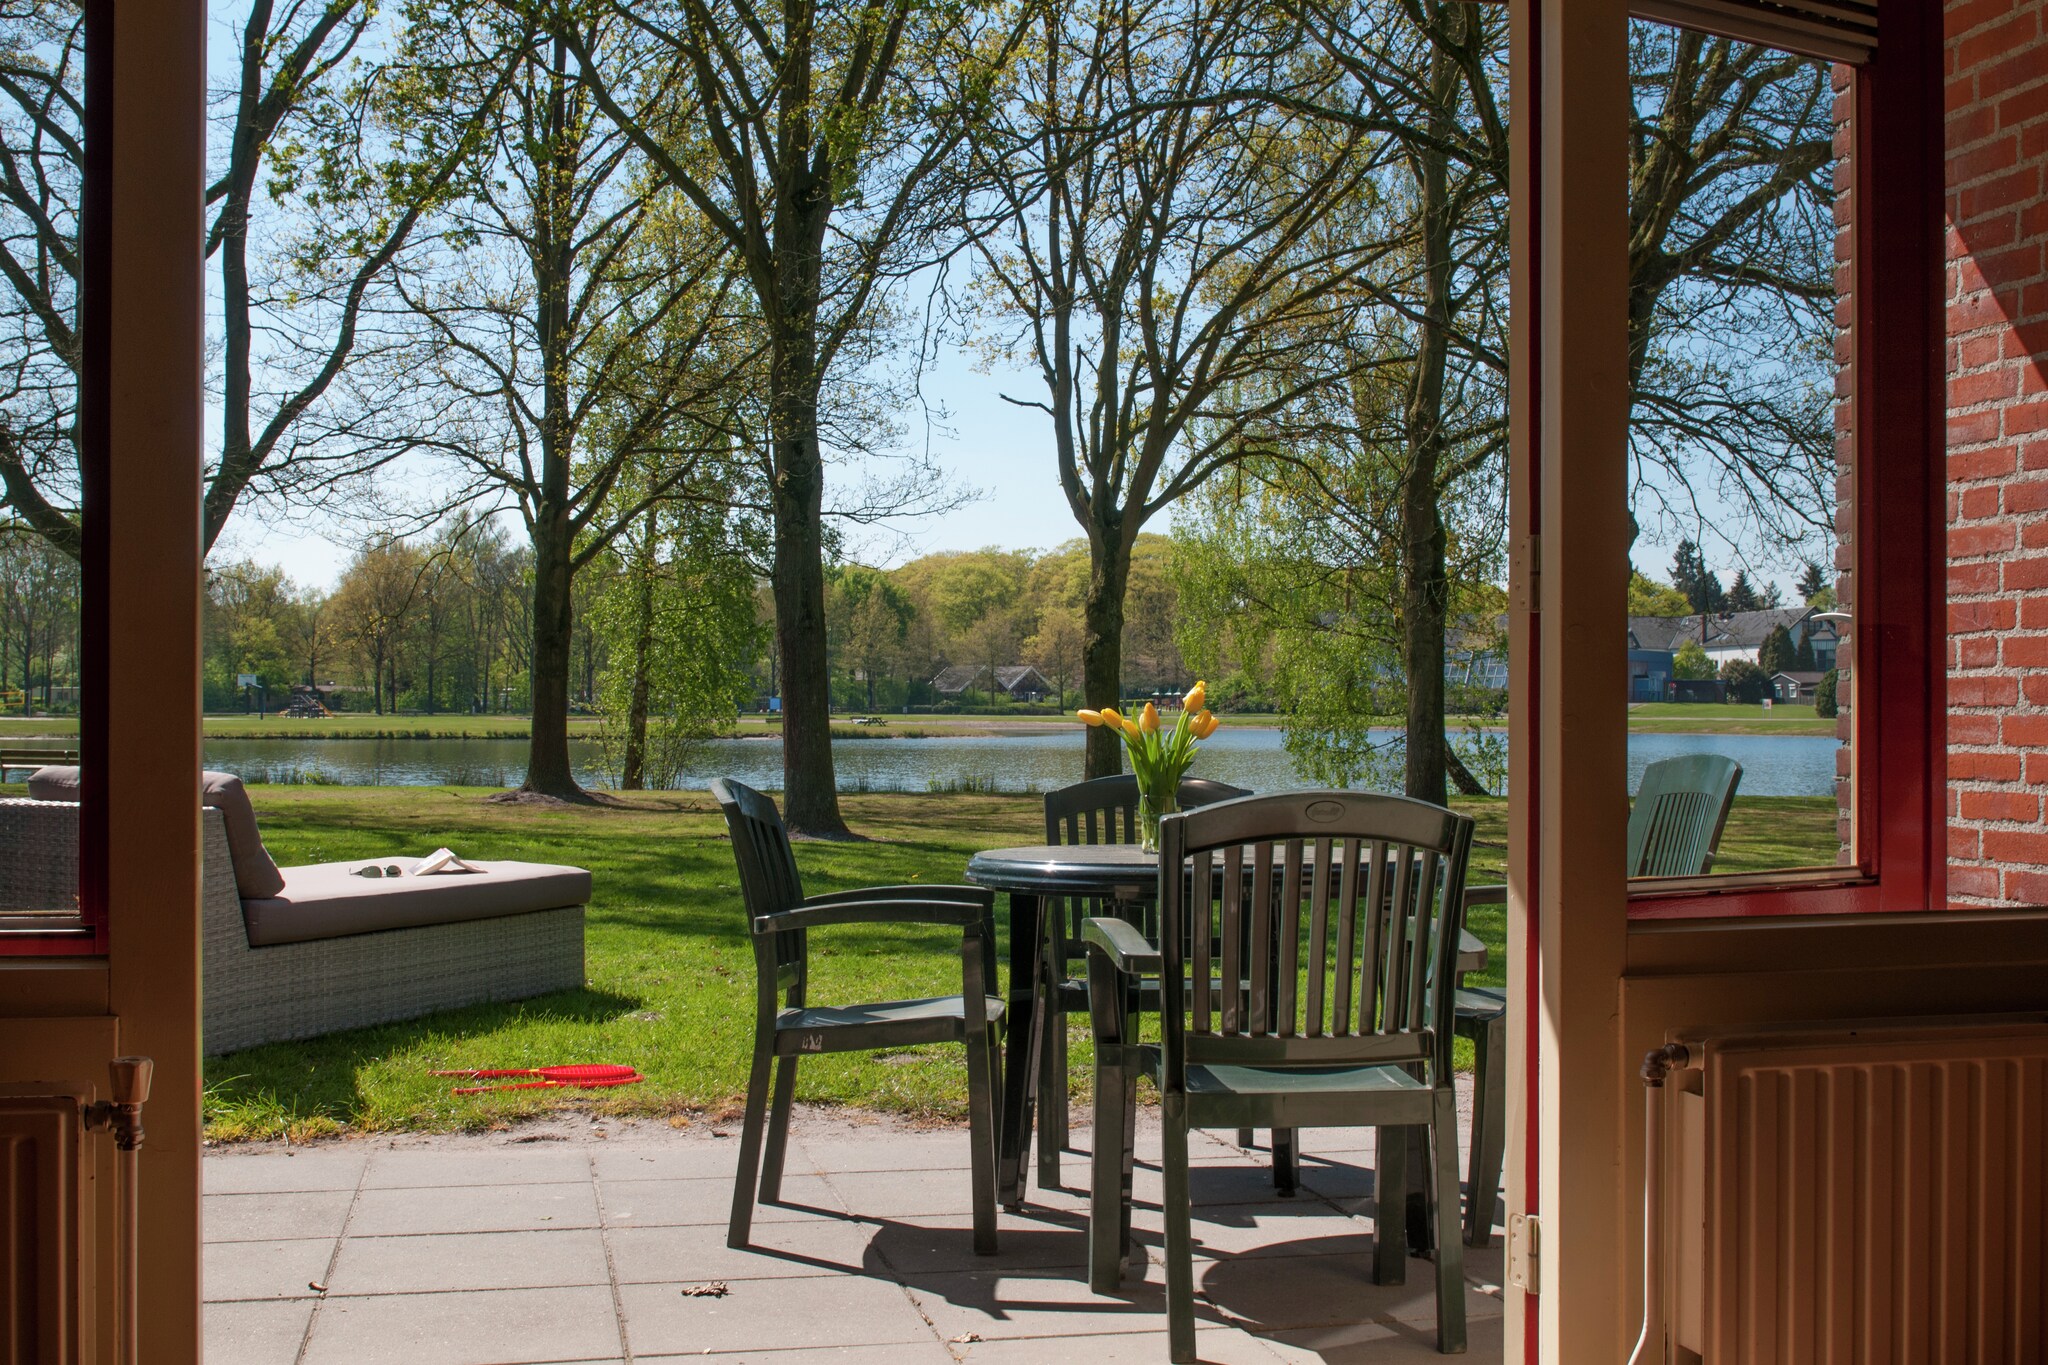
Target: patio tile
x=1213, y=1346
x=498, y=1327
x=257, y=1332
x=937, y=1150
x=266, y=1270
x=529, y=1165
x=713, y=1160
x=1284, y=1227
x=1001, y=1305
x=906, y=1352
x=692, y=1254
x=663, y=1203
x=1274, y=1294
x=905, y=1193
x=1373, y=1343
x=260, y=1217
x=324, y=1168
x=767, y=1315
x=916, y=1246
x=470, y=1260
x=473, y=1208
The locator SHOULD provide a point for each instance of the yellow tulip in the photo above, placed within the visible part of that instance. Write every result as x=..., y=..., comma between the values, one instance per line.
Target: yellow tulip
x=1090, y=717
x=1205, y=725
x=1111, y=718
x=1148, y=720
x=1131, y=730
x=1197, y=697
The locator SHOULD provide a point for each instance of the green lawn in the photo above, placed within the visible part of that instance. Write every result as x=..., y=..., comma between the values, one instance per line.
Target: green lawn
x=347, y=725
x=671, y=975
x=1728, y=718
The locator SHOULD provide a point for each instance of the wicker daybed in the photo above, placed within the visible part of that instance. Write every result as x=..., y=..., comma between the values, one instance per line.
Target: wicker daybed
x=300, y=951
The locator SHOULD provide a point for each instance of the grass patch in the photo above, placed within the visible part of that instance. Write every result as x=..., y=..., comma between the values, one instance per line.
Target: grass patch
x=671, y=974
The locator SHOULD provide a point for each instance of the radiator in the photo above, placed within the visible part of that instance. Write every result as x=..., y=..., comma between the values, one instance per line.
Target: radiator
x=1868, y=1193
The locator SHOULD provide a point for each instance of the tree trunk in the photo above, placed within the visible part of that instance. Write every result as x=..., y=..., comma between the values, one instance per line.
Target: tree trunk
x=634, y=777
x=810, y=794
x=1102, y=649
x=547, y=763
x=1425, y=583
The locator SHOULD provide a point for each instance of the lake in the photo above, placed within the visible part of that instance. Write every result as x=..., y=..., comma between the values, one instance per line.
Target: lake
x=1788, y=765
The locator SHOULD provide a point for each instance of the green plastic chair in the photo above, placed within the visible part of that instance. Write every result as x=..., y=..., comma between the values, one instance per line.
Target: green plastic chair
x=787, y=1025
x=1681, y=808
x=1674, y=830
x=1102, y=810
x=1360, y=896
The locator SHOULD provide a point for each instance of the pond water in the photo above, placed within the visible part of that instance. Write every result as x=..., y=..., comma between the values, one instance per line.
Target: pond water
x=1773, y=765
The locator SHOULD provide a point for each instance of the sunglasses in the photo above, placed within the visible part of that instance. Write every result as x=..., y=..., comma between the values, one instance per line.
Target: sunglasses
x=388, y=870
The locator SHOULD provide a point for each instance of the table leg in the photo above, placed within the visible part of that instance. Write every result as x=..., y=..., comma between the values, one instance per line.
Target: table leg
x=1052, y=1074
x=1020, y=1071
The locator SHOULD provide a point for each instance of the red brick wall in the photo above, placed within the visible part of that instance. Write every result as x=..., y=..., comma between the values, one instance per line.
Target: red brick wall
x=1998, y=450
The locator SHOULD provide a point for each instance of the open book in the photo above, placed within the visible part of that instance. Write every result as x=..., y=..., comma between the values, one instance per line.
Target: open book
x=441, y=860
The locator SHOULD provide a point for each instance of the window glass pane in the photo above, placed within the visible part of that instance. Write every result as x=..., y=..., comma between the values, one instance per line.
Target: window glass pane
x=1739, y=598
x=41, y=178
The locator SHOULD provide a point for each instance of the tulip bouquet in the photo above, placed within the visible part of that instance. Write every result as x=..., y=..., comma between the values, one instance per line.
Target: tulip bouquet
x=1159, y=757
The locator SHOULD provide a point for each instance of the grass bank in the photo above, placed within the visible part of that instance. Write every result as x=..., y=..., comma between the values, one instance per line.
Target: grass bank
x=671, y=974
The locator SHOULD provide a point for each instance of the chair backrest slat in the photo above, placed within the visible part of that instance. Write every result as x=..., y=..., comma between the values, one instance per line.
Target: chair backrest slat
x=1394, y=870
x=1203, y=871
x=769, y=881
x=1318, y=935
x=1261, y=917
x=1680, y=809
x=1233, y=944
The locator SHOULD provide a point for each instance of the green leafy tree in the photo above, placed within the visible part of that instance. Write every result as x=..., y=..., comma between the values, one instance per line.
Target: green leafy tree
x=1825, y=703
x=1648, y=597
x=1778, y=654
x=1804, y=660
x=1691, y=662
x=1741, y=596
x=676, y=614
x=1746, y=682
x=1691, y=576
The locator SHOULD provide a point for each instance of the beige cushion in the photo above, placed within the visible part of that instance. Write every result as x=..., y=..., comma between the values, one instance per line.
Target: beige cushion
x=53, y=784
x=327, y=900
x=256, y=872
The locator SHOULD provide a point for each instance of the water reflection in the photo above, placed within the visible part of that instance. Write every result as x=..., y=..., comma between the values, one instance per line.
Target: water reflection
x=1790, y=765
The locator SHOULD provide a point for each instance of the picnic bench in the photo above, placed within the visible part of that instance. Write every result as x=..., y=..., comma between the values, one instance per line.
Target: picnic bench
x=22, y=756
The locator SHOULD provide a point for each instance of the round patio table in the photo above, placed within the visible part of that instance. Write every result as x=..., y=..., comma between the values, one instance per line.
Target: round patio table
x=1028, y=875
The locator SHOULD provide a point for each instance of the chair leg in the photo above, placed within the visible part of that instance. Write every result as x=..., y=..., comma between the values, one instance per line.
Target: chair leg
x=1052, y=1087
x=1247, y=1139
x=1450, y=1253
x=1489, y=1133
x=1286, y=1163
x=1180, y=1247
x=778, y=1129
x=981, y=1135
x=745, y=1182
x=1390, y=1203
x=1107, y=1200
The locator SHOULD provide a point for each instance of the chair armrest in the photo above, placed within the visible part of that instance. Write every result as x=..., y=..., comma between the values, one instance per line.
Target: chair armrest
x=1120, y=942
x=809, y=916
x=1495, y=893
x=975, y=895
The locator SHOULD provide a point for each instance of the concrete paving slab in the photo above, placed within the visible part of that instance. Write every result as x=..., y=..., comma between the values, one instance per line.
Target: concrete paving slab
x=257, y=1333
x=663, y=1203
x=905, y=1192
x=317, y=1168
x=1275, y=1294
x=267, y=1270
x=495, y=1327
x=470, y=1260
x=915, y=1246
x=691, y=1255
x=837, y=1153
x=766, y=1315
x=1384, y=1344
x=1004, y=1305
x=264, y=1217
x=1213, y=1345
x=716, y=1160
x=899, y=1353
x=412, y=1168
x=473, y=1208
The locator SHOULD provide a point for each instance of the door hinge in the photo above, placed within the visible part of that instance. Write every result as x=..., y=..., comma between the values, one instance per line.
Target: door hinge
x=1525, y=1252
x=1525, y=573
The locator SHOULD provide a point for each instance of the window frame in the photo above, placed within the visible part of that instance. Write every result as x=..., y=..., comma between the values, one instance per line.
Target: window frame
x=1894, y=383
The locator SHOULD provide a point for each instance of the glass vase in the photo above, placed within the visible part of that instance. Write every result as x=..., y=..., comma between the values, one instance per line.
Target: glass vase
x=1151, y=806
